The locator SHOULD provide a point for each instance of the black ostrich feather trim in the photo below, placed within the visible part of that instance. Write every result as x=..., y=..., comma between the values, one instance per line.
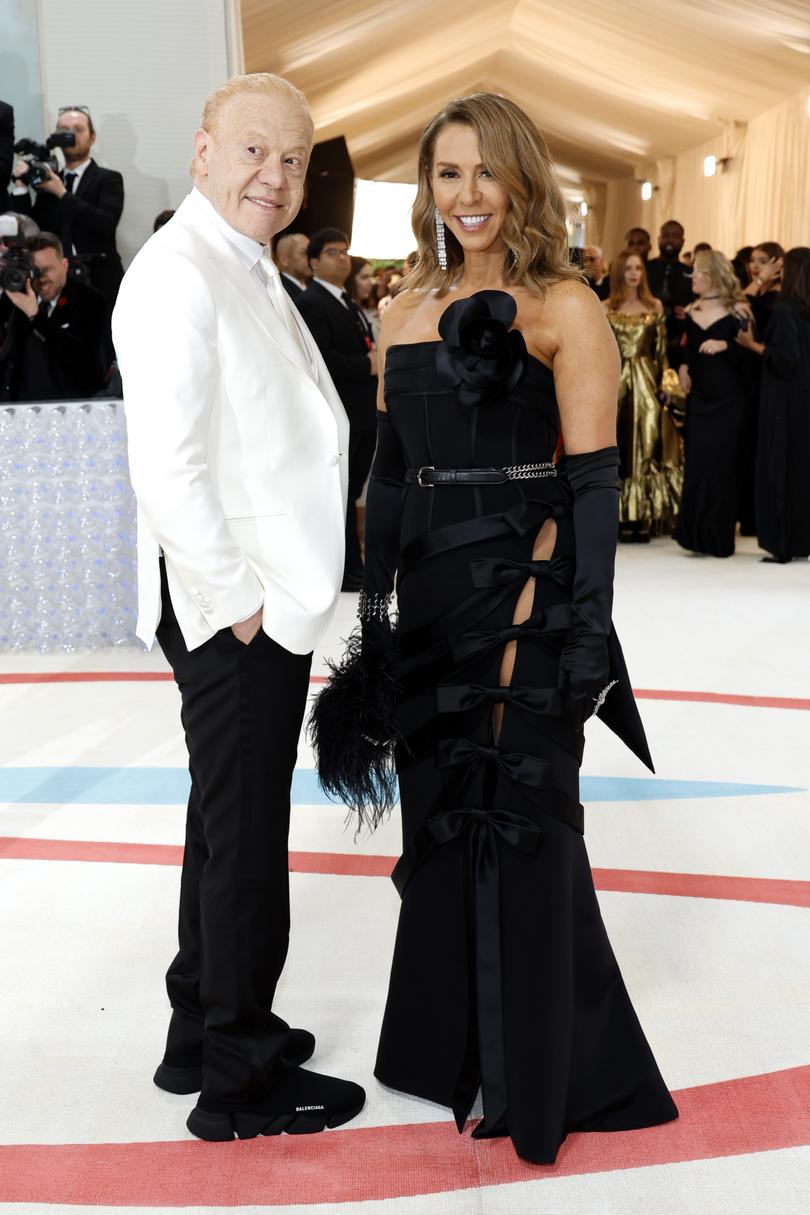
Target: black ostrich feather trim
x=352, y=731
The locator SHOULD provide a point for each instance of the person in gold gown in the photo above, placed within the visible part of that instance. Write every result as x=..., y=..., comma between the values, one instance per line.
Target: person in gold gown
x=648, y=420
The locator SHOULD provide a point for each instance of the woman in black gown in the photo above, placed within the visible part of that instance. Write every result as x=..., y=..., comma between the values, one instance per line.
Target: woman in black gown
x=713, y=373
x=783, y=450
x=503, y=977
x=762, y=293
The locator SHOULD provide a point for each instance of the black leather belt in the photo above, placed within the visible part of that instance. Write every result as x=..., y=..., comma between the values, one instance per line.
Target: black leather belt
x=429, y=477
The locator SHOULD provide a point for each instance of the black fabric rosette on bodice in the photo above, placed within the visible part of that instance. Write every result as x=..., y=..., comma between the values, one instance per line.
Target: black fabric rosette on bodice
x=480, y=358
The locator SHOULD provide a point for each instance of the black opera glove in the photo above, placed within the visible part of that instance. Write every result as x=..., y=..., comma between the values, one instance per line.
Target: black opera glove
x=352, y=724
x=585, y=663
x=386, y=487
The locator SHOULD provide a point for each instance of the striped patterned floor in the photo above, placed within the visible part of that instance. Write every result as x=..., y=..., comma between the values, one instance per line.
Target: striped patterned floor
x=702, y=873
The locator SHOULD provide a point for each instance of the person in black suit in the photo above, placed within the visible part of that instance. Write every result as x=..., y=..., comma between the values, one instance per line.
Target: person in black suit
x=637, y=240
x=51, y=334
x=671, y=281
x=82, y=205
x=6, y=151
x=595, y=271
x=344, y=338
x=290, y=255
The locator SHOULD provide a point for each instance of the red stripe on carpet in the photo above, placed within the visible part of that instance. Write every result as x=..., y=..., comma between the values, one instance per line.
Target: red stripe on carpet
x=102, y=677
x=711, y=698
x=734, y=1117
x=725, y=698
x=784, y=891
x=23, y=848
x=87, y=677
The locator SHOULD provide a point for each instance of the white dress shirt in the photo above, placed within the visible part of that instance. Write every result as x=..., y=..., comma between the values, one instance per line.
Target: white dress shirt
x=79, y=170
x=338, y=292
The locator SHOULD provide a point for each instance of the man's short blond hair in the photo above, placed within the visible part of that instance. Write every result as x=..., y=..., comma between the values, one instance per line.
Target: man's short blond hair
x=252, y=82
x=266, y=83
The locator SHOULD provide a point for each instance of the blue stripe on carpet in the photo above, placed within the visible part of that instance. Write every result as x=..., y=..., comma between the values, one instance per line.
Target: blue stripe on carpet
x=169, y=787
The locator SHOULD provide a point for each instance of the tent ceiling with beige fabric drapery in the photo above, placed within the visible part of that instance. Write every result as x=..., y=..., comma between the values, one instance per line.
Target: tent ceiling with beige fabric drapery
x=621, y=88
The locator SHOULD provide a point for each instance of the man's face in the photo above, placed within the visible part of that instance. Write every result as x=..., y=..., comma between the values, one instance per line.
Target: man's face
x=294, y=256
x=79, y=124
x=334, y=264
x=593, y=263
x=253, y=166
x=638, y=242
x=52, y=274
x=670, y=240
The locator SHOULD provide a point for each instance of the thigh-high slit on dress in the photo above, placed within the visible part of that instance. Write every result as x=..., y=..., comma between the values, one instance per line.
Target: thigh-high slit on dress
x=503, y=977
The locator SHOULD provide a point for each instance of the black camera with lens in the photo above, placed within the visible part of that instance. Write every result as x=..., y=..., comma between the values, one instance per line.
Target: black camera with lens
x=38, y=156
x=80, y=269
x=16, y=268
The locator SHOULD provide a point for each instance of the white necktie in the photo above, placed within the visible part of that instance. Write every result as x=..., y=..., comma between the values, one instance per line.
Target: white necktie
x=280, y=301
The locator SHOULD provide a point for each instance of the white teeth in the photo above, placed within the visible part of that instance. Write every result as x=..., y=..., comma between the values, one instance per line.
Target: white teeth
x=470, y=222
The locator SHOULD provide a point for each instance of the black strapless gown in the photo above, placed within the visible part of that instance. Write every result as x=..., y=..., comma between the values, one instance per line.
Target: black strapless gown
x=503, y=976
x=718, y=419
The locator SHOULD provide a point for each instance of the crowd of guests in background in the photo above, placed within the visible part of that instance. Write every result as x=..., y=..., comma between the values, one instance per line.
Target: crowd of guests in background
x=713, y=414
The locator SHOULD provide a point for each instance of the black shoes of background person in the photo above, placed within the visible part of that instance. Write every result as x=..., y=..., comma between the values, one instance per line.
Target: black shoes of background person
x=633, y=534
x=182, y=1075
x=300, y=1103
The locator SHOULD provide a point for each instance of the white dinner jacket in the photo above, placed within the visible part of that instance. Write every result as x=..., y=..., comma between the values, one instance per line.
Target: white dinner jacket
x=237, y=443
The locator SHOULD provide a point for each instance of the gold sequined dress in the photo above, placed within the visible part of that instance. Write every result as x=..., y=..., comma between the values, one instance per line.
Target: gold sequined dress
x=648, y=433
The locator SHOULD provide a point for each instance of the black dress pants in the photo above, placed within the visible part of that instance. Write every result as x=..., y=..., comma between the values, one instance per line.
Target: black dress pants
x=242, y=709
x=362, y=442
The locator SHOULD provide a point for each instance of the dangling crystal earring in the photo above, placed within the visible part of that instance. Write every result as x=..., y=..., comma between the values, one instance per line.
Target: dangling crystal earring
x=440, y=245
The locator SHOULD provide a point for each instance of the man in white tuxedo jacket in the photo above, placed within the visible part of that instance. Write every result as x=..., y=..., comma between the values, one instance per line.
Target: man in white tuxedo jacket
x=237, y=443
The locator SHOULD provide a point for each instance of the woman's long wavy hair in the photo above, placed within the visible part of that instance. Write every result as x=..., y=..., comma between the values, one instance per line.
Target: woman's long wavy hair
x=796, y=278
x=618, y=287
x=516, y=155
x=719, y=269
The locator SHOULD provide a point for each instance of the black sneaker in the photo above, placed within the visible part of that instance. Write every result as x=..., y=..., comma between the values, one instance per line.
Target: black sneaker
x=184, y=1080
x=301, y=1103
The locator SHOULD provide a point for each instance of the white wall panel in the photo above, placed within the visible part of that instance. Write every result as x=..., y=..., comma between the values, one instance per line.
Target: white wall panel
x=144, y=68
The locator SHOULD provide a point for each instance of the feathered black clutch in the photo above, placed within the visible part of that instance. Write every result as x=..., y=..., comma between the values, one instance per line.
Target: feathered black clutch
x=353, y=733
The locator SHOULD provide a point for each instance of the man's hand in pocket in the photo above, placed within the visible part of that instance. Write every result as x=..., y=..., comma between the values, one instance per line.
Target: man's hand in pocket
x=246, y=630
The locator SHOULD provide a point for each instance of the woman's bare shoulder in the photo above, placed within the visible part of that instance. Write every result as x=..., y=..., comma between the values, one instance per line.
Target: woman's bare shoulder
x=412, y=316
x=566, y=306
x=397, y=313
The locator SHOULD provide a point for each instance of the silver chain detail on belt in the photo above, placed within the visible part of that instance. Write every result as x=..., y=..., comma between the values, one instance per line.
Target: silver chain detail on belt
x=527, y=472
x=373, y=607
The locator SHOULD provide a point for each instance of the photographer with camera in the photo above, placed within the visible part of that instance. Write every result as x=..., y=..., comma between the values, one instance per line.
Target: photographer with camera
x=51, y=328
x=82, y=205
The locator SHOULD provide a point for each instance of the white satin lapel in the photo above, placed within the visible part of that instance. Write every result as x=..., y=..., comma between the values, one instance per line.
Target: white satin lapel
x=308, y=340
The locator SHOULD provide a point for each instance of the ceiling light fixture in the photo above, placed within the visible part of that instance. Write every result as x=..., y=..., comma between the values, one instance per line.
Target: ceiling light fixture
x=709, y=166
x=646, y=191
x=583, y=208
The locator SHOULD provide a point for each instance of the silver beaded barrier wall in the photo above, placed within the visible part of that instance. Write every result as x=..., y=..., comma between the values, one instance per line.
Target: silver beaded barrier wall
x=67, y=528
